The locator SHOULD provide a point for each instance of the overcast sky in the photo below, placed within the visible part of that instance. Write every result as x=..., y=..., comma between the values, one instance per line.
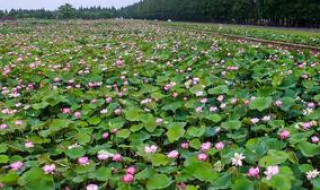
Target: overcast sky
x=54, y=4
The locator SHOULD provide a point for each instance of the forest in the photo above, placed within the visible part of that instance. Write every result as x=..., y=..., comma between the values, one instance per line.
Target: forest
x=304, y=13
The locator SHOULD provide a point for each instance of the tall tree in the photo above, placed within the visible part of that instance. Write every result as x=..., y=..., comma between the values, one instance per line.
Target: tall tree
x=66, y=11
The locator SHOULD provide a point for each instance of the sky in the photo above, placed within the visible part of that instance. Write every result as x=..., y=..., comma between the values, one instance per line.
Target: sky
x=54, y=4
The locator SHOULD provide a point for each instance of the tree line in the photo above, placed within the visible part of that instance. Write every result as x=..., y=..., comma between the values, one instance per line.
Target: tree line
x=304, y=13
x=66, y=11
x=299, y=13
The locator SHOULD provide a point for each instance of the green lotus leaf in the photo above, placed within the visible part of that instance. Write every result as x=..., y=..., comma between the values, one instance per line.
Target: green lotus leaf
x=219, y=90
x=175, y=131
x=35, y=179
x=231, y=125
x=260, y=103
x=158, y=181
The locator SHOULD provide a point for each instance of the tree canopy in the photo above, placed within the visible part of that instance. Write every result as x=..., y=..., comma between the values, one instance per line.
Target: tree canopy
x=66, y=11
x=269, y=12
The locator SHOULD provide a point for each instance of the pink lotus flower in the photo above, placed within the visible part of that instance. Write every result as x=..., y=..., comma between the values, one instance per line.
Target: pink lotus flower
x=77, y=115
x=6, y=71
x=108, y=99
x=199, y=109
x=83, y=161
x=150, y=149
x=213, y=109
x=175, y=94
x=246, y=102
x=254, y=120
x=206, y=146
x=222, y=106
x=19, y=104
x=284, y=134
x=254, y=172
x=3, y=126
x=202, y=157
x=56, y=79
x=19, y=59
x=315, y=139
x=159, y=121
x=28, y=144
x=66, y=110
x=16, y=166
x=166, y=88
x=204, y=100
x=92, y=187
x=117, y=158
x=128, y=178
x=234, y=100
x=131, y=170
x=114, y=131
x=271, y=171
x=105, y=135
x=311, y=105
x=118, y=111
x=30, y=87
x=181, y=186
x=220, y=98
x=49, y=169
x=306, y=125
x=219, y=146
x=173, y=154
x=18, y=122
x=119, y=63
x=104, y=156
x=278, y=103
x=184, y=145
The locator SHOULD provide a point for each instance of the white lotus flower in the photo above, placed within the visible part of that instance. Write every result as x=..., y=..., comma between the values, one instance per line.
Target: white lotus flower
x=312, y=174
x=104, y=111
x=237, y=159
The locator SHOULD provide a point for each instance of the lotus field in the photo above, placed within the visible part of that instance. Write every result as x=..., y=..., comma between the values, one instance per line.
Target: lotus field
x=136, y=105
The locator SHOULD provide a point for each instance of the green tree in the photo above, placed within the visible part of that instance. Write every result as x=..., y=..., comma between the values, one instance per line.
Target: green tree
x=66, y=11
x=1, y=13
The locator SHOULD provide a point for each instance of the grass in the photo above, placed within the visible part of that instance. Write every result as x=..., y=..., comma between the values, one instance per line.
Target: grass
x=290, y=35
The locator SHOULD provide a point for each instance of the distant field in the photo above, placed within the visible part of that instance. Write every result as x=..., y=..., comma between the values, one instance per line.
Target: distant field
x=290, y=35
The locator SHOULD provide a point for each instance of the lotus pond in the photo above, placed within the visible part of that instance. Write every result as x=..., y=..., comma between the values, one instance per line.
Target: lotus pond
x=135, y=105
